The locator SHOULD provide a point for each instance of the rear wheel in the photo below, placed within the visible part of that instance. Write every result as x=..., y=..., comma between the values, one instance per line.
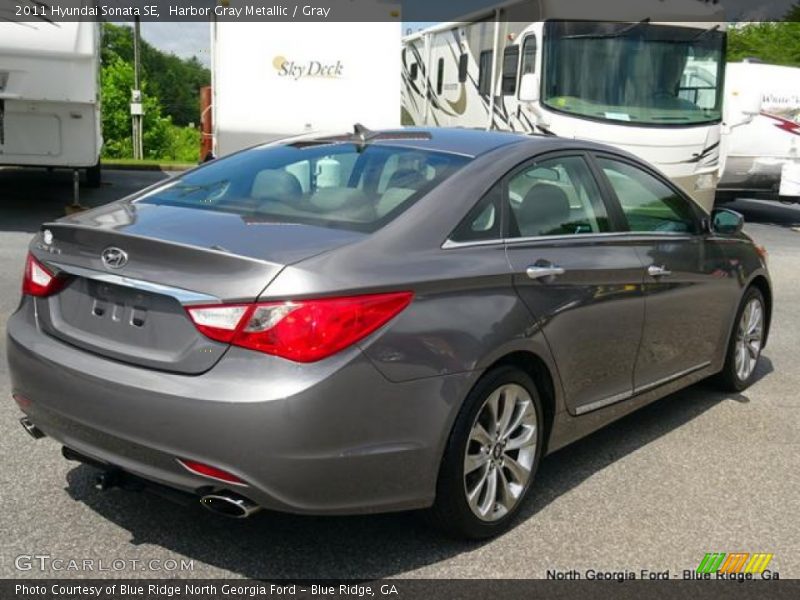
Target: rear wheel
x=491, y=456
x=747, y=340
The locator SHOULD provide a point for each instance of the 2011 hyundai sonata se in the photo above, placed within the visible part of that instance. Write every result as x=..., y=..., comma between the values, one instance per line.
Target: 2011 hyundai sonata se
x=378, y=321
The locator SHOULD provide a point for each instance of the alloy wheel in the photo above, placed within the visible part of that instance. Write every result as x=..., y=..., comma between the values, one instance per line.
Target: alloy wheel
x=500, y=452
x=749, y=337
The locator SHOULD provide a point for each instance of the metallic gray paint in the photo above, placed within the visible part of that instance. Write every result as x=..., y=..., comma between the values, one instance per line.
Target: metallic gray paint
x=322, y=437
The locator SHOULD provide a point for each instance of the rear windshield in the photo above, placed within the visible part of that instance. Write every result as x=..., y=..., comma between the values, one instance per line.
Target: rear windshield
x=341, y=185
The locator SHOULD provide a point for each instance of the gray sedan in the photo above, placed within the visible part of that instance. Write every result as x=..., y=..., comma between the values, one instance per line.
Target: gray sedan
x=377, y=321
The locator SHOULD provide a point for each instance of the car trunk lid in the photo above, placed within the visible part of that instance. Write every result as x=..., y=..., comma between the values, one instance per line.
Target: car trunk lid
x=135, y=312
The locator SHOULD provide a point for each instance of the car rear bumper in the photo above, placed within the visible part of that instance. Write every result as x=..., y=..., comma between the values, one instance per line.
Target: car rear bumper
x=330, y=437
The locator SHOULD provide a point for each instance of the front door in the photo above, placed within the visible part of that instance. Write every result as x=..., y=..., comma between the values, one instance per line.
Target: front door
x=686, y=306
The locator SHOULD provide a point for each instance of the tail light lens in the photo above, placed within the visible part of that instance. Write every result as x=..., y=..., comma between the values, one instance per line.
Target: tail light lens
x=39, y=280
x=302, y=331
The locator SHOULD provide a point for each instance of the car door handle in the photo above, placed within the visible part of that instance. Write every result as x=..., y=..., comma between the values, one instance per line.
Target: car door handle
x=541, y=271
x=658, y=271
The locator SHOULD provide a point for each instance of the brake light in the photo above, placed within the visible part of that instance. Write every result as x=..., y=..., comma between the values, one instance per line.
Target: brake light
x=38, y=280
x=302, y=330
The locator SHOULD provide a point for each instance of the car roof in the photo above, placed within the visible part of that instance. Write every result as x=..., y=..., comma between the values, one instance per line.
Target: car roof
x=451, y=140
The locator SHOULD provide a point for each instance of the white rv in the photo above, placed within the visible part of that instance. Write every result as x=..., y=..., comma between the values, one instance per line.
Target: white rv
x=50, y=95
x=762, y=158
x=273, y=80
x=620, y=83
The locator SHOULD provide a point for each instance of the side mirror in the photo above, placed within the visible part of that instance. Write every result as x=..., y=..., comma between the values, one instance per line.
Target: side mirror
x=726, y=221
x=751, y=103
x=529, y=88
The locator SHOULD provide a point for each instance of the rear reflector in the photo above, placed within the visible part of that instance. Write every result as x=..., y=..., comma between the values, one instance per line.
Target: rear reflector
x=302, y=330
x=209, y=471
x=38, y=280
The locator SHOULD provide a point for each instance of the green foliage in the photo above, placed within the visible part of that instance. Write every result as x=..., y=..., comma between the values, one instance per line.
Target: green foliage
x=772, y=42
x=175, y=81
x=171, y=100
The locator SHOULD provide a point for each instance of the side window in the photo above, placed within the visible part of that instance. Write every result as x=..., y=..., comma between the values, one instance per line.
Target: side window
x=529, y=55
x=556, y=196
x=413, y=71
x=483, y=221
x=440, y=76
x=485, y=73
x=463, y=64
x=510, y=64
x=648, y=203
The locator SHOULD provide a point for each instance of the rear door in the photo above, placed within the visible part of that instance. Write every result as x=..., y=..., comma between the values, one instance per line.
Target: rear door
x=579, y=279
x=688, y=284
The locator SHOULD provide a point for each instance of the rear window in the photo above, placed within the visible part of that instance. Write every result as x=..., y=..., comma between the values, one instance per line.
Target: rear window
x=339, y=185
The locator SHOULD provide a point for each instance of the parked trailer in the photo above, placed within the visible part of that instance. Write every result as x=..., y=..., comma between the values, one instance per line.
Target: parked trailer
x=50, y=95
x=273, y=80
x=620, y=83
x=762, y=159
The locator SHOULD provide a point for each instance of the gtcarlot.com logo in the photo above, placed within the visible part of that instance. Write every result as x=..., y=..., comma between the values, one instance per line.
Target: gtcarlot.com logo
x=48, y=563
x=736, y=565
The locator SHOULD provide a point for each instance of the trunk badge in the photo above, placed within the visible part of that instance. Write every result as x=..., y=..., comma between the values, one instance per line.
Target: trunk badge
x=114, y=258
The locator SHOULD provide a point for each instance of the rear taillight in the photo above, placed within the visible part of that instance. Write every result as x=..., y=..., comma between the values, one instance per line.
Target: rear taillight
x=209, y=471
x=301, y=330
x=38, y=280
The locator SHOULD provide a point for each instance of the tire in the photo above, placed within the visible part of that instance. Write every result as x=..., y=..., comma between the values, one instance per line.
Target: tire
x=732, y=378
x=94, y=176
x=451, y=511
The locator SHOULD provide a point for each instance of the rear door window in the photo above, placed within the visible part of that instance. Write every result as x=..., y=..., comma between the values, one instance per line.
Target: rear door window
x=555, y=196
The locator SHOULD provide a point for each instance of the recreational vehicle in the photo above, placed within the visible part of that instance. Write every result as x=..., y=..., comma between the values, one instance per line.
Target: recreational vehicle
x=273, y=80
x=622, y=83
x=762, y=159
x=49, y=95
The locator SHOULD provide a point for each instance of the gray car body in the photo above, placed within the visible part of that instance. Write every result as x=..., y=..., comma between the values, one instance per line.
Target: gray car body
x=365, y=430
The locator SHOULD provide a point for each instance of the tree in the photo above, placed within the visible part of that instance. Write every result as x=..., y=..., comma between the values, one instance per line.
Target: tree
x=175, y=81
x=772, y=42
x=117, y=82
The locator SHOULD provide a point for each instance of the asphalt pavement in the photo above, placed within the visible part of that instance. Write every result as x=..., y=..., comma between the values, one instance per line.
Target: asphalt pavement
x=699, y=471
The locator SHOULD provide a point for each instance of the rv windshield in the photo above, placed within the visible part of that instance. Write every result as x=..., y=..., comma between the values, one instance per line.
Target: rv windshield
x=634, y=72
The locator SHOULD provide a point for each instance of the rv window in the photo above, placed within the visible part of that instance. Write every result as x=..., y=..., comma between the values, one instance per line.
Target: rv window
x=463, y=63
x=440, y=77
x=413, y=72
x=485, y=73
x=510, y=64
x=529, y=55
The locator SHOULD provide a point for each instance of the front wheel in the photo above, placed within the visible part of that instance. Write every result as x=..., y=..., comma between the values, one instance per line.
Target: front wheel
x=745, y=344
x=491, y=456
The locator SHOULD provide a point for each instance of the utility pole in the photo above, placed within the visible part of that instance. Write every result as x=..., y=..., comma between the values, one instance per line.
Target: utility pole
x=137, y=107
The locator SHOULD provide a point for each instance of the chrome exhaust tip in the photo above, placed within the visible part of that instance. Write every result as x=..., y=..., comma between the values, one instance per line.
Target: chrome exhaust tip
x=229, y=505
x=32, y=429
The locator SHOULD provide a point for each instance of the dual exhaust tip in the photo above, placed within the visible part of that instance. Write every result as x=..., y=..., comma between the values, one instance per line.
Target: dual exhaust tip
x=229, y=505
x=220, y=503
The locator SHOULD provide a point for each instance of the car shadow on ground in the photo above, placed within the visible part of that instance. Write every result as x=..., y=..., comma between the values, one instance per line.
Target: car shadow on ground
x=31, y=197
x=280, y=546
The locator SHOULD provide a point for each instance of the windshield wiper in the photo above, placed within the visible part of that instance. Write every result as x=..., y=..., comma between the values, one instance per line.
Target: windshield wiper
x=705, y=32
x=603, y=36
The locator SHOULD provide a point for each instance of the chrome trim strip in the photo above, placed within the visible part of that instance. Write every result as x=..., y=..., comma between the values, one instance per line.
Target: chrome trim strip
x=585, y=408
x=655, y=384
x=181, y=295
x=448, y=244
x=635, y=392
